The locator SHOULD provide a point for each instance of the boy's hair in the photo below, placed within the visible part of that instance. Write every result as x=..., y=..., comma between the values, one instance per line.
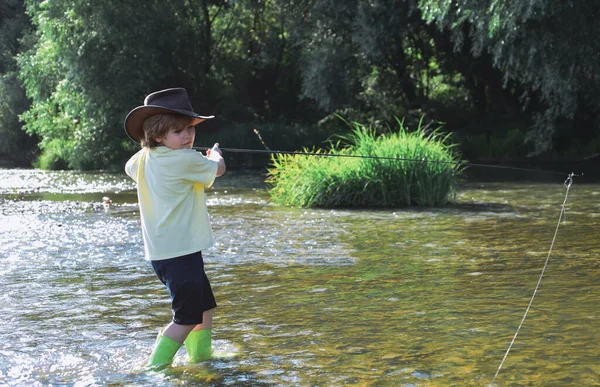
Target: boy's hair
x=159, y=125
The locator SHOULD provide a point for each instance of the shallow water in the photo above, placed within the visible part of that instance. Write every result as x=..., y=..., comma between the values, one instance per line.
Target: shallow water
x=307, y=297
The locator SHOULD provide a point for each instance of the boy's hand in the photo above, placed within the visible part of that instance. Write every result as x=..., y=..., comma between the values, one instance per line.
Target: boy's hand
x=217, y=155
x=215, y=148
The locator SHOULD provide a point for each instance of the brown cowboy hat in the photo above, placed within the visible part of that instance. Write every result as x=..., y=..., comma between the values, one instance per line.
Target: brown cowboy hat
x=160, y=102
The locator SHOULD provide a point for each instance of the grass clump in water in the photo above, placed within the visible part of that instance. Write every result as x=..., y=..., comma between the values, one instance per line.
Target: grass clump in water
x=423, y=173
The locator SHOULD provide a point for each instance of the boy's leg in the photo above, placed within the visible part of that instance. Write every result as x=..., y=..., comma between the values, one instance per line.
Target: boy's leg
x=178, y=332
x=207, y=317
x=190, y=293
x=167, y=344
x=199, y=341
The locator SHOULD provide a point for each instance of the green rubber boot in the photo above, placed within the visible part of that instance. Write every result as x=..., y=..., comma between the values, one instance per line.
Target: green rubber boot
x=199, y=346
x=164, y=351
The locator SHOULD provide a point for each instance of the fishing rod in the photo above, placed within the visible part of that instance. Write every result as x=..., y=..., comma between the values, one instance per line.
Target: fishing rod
x=320, y=154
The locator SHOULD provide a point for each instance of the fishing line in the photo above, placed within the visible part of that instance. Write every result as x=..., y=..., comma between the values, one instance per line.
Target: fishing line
x=462, y=163
x=568, y=183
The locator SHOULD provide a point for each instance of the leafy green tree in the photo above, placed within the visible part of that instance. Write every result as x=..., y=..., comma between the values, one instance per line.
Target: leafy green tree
x=256, y=61
x=403, y=57
x=547, y=46
x=330, y=66
x=372, y=61
x=95, y=61
x=92, y=64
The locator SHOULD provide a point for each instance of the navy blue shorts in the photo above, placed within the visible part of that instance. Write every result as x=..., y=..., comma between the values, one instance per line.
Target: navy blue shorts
x=191, y=294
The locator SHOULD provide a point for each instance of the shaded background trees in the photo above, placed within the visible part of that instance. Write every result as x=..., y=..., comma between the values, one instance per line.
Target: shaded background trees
x=15, y=144
x=547, y=55
x=509, y=80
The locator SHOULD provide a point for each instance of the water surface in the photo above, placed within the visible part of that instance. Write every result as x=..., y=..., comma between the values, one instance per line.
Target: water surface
x=307, y=297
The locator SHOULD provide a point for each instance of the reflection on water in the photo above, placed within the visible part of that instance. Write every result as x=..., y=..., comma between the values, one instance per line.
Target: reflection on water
x=404, y=297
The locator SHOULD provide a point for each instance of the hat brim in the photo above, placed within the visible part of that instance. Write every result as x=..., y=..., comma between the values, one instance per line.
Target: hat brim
x=134, y=123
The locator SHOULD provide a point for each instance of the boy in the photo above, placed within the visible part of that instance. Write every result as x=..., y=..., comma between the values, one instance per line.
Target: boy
x=171, y=178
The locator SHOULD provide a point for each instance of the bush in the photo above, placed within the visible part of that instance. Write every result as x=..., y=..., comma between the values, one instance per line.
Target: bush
x=395, y=169
x=54, y=155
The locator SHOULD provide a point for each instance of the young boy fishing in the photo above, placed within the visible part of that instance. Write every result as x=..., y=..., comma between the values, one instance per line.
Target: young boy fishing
x=171, y=178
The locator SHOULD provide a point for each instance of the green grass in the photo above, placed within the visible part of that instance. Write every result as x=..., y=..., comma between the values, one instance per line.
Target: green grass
x=425, y=177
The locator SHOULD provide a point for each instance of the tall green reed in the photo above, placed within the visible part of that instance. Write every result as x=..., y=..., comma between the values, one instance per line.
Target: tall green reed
x=426, y=176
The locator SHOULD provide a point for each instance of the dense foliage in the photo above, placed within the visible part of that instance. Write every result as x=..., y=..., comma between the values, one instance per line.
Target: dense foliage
x=14, y=28
x=502, y=75
x=395, y=169
x=548, y=54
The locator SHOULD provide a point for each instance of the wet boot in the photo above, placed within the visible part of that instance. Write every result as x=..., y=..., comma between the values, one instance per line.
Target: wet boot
x=199, y=346
x=164, y=351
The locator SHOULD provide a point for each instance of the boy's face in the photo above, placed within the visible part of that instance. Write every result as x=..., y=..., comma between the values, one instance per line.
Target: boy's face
x=179, y=138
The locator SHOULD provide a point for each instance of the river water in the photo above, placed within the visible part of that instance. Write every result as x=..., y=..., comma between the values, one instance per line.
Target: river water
x=307, y=297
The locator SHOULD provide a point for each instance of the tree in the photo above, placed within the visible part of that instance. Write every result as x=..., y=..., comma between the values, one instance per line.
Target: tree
x=93, y=63
x=548, y=46
x=14, y=27
x=372, y=61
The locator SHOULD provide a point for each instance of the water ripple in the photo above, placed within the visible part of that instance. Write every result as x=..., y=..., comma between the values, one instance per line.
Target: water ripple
x=306, y=296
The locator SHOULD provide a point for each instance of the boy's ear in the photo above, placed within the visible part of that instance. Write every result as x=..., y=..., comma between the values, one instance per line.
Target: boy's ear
x=158, y=139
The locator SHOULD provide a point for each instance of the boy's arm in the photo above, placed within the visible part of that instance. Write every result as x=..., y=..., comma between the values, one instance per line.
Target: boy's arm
x=215, y=154
x=130, y=169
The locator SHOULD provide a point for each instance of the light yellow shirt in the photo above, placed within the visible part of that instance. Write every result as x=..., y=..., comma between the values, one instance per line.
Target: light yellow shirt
x=170, y=188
